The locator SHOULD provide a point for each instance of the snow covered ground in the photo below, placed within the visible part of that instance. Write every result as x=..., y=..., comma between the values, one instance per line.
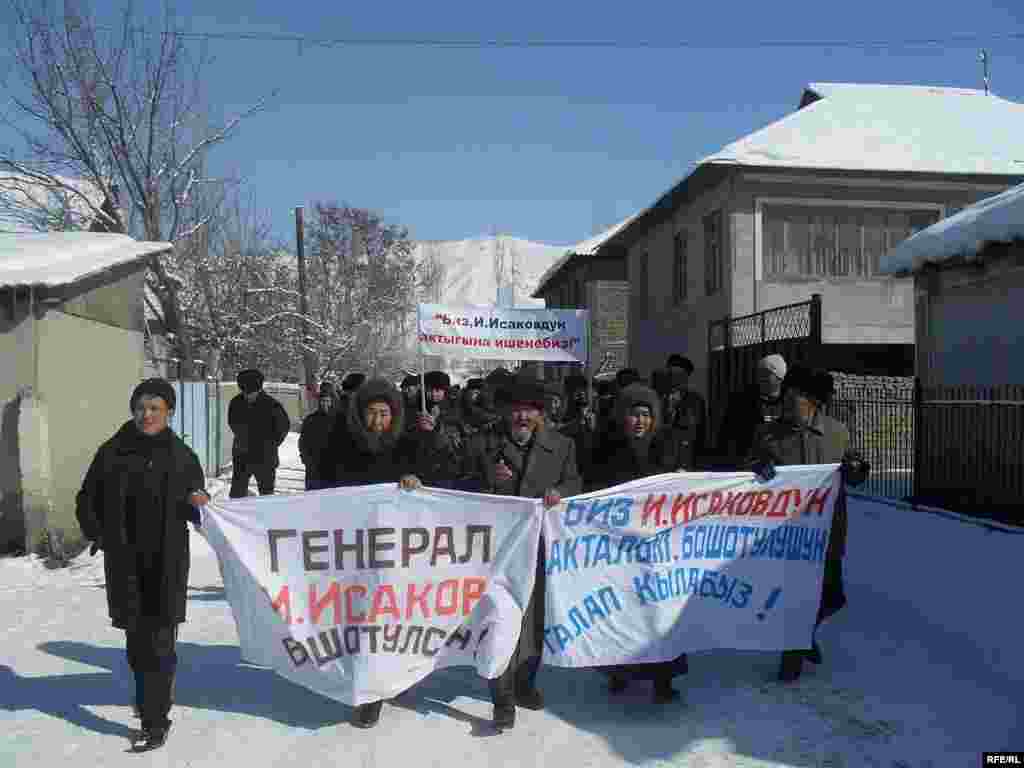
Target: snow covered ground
x=923, y=669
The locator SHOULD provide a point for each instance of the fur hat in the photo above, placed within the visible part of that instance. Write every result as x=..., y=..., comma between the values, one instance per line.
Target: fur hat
x=412, y=380
x=474, y=384
x=437, y=380
x=774, y=363
x=250, y=380
x=161, y=388
x=812, y=382
x=627, y=376
x=326, y=389
x=523, y=389
x=574, y=383
x=634, y=395
x=353, y=382
x=375, y=391
x=497, y=377
x=680, y=361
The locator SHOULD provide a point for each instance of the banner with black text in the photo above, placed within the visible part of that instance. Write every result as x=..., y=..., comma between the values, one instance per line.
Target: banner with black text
x=359, y=593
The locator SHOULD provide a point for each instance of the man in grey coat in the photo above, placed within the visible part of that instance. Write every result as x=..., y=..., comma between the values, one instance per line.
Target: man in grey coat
x=522, y=458
x=806, y=435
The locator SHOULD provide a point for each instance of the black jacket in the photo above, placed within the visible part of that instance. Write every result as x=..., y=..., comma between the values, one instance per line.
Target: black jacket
x=316, y=428
x=259, y=428
x=134, y=502
x=668, y=450
x=744, y=414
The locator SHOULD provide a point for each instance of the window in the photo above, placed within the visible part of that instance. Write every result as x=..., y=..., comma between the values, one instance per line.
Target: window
x=642, y=279
x=680, y=268
x=713, y=253
x=812, y=241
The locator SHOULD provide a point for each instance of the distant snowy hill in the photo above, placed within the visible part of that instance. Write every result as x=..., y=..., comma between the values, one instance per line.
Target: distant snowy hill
x=495, y=270
x=489, y=270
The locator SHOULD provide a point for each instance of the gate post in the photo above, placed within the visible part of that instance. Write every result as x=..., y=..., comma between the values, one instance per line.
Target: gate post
x=816, y=324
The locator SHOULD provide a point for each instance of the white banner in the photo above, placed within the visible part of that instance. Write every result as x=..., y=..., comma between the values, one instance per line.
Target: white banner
x=685, y=562
x=359, y=593
x=500, y=333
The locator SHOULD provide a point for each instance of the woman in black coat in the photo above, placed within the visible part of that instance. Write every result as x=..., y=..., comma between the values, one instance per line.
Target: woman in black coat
x=641, y=447
x=368, y=446
x=144, y=483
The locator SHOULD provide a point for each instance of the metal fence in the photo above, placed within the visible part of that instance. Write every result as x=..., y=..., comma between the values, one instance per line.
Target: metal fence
x=736, y=344
x=879, y=412
x=970, y=450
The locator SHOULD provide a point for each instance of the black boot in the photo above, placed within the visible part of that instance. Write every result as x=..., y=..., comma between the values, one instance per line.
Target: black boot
x=791, y=666
x=617, y=684
x=814, y=655
x=504, y=714
x=367, y=715
x=152, y=738
x=664, y=692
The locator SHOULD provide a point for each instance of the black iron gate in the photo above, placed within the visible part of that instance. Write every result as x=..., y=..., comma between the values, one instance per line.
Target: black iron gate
x=736, y=344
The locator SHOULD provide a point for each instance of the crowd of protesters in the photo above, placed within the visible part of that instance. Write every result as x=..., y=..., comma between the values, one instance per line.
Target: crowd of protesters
x=508, y=434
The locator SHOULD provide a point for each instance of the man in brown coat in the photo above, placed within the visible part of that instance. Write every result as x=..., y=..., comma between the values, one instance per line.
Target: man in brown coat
x=806, y=435
x=522, y=458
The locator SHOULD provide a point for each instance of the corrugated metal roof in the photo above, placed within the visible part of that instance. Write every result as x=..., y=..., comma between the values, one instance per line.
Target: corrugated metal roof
x=60, y=258
x=997, y=219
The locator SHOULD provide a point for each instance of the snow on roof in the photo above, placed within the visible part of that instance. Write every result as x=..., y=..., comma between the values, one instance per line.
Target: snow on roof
x=60, y=258
x=997, y=219
x=895, y=128
x=25, y=201
x=588, y=247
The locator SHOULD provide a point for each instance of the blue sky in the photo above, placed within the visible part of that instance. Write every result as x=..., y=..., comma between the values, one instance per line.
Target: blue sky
x=546, y=144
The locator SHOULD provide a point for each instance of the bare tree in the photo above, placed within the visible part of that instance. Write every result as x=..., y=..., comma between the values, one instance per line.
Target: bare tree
x=364, y=283
x=122, y=109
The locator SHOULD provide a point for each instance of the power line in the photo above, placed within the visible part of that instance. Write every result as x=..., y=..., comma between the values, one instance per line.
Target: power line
x=381, y=42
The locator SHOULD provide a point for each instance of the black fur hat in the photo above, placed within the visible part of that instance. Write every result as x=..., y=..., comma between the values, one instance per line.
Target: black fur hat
x=353, y=382
x=437, y=380
x=680, y=361
x=627, y=376
x=575, y=382
x=412, y=380
x=523, y=389
x=813, y=382
x=250, y=380
x=153, y=388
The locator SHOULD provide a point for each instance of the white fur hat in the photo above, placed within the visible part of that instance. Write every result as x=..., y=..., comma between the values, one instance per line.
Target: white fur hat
x=774, y=363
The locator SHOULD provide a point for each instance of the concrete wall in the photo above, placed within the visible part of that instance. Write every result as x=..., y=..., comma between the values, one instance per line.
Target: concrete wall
x=973, y=324
x=87, y=372
x=658, y=326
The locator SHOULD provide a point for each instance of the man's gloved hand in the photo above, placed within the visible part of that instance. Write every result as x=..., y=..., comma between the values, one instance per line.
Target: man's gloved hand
x=765, y=470
x=854, y=470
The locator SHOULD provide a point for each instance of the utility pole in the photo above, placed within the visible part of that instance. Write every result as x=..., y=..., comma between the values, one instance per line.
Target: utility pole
x=983, y=58
x=307, y=357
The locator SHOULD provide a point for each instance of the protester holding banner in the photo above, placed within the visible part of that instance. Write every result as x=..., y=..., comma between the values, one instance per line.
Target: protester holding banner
x=144, y=483
x=643, y=447
x=806, y=435
x=523, y=459
x=367, y=447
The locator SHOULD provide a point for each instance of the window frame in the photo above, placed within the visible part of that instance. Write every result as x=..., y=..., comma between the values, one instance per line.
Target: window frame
x=714, y=264
x=681, y=267
x=825, y=202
